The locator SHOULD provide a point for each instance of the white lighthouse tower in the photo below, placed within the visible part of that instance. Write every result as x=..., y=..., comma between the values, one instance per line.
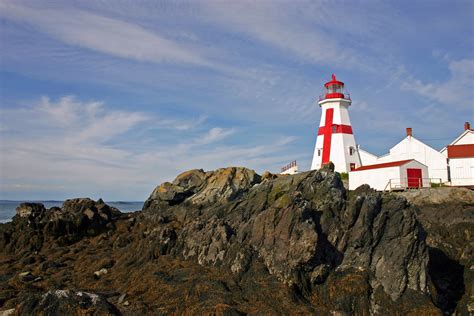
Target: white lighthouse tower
x=335, y=142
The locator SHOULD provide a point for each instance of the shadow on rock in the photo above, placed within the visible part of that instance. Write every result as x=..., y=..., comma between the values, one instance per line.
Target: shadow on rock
x=447, y=277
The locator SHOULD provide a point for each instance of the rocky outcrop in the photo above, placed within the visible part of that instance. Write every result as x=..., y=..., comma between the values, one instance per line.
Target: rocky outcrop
x=447, y=216
x=34, y=227
x=230, y=242
x=302, y=228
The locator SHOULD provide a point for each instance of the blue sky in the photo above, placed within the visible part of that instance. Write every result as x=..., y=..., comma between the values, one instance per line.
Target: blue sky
x=110, y=98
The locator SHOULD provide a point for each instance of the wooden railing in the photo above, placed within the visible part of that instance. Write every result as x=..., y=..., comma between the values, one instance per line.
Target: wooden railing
x=403, y=184
x=289, y=166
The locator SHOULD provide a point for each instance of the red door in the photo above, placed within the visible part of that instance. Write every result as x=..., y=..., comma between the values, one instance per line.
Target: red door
x=414, y=178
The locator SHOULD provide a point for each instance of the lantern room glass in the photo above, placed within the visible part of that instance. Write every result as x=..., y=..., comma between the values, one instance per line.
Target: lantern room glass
x=335, y=88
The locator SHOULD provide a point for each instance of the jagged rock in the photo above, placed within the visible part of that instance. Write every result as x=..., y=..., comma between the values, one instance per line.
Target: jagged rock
x=33, y=224
x=191, y=180
x=328, y=167
x=302, y=228
x=382, y=227
x=267, y=175
x=320, y=273
x=225, y=185
x=199, y=187
x=66, y=302
x=122, y=298
x=447, y=215
x=26, y=210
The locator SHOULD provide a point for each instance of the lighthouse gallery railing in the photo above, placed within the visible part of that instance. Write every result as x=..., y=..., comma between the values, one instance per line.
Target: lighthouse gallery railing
x=347, y=96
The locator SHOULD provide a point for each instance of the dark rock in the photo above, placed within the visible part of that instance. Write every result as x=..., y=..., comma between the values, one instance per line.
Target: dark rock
x=106, y=264
x=44, y=266
x=28, y=260
x=26, y=276
x=302, y=228
x=33, y=226
x=447, y=216
x=328, y=167
x=30, y=210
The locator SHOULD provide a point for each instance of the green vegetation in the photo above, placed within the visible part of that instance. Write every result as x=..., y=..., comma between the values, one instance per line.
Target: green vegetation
x=344, y=176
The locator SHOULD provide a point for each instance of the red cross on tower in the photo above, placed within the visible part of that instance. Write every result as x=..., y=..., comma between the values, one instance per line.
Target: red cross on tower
x=327, y=130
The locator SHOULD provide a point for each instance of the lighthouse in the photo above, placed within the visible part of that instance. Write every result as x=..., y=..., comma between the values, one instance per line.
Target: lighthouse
x=335, y=142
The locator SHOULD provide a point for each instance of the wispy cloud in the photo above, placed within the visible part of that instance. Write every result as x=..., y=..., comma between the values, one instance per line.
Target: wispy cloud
x=103, y=34
x=214, y=134
x=277, y=24
x=77, y=145
x=182, y=124
x=458, y=89
x=86, y=121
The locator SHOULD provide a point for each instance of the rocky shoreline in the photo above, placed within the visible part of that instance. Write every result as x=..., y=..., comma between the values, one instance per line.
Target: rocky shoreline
x=231, y=241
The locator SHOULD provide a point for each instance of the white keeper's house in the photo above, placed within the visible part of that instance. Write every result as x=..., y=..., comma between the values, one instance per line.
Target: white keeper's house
x=452, y=166
x=412, y=148
x=460, y=157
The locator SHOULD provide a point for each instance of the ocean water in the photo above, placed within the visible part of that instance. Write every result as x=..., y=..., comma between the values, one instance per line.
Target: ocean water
x=8, y=208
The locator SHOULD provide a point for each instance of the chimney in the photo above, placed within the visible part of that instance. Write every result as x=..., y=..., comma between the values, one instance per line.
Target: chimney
x=409, y=131
x=467, y=126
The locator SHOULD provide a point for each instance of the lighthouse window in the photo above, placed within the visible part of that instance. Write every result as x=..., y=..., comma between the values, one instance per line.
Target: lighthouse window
x=351, y=151
x=334, y=129
x=319, y=152
x=334, y=89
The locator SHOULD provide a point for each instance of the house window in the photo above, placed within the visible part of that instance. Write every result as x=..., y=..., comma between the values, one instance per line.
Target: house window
x=353, y=166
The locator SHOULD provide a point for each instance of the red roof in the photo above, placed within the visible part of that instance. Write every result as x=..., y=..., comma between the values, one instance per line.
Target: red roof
x=384, y=165
x=461, y=151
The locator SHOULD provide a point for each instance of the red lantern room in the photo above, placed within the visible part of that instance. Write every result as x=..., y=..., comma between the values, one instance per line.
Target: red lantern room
x=335, y=89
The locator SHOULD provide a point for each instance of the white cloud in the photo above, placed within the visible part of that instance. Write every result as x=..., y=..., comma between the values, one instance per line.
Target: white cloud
x=181, y=124
x=214, y=134
x=456, y=91
x=335, y=35
x=73, y=148
x=103, y=34
x=277, y=24
x=84, y=121
x=64, y=112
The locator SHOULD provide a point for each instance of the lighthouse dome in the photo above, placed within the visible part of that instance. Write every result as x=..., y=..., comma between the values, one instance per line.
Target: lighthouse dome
x=334, y=89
